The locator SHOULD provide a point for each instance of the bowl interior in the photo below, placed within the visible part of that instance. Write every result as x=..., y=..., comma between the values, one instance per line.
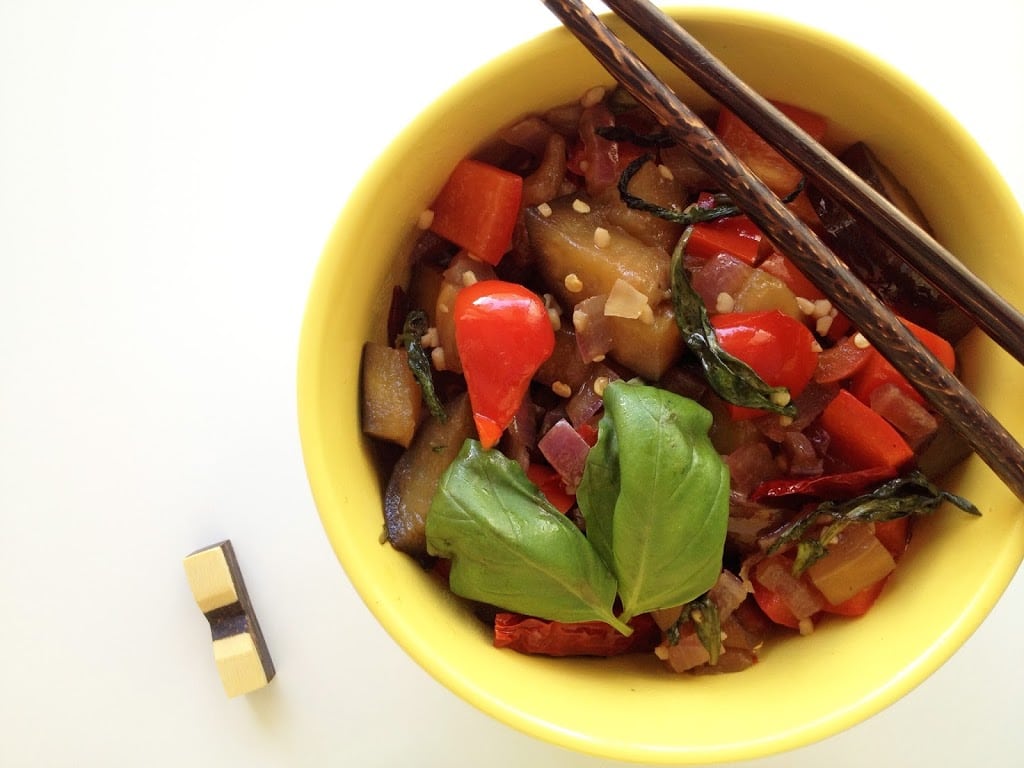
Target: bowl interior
x=804, y=689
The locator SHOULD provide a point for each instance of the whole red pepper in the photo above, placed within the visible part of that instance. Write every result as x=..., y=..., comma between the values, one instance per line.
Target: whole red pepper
x=503, y=334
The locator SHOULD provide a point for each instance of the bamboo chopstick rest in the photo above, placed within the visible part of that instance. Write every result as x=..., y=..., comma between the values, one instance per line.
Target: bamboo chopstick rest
x=239, y=649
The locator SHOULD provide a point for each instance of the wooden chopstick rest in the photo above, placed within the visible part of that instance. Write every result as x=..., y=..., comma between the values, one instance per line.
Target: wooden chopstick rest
x=239, y=649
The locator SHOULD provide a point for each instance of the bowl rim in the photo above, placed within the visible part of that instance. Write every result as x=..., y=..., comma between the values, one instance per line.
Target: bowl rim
x=312, y=435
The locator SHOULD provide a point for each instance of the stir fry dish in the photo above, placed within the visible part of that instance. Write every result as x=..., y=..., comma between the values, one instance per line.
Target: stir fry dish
x=614, y=418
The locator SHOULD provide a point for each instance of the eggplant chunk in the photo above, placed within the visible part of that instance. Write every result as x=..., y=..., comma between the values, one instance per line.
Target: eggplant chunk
x=416, y=475
x=875, y=261
x=648, y=349
x=391, y=398
x=564, y=245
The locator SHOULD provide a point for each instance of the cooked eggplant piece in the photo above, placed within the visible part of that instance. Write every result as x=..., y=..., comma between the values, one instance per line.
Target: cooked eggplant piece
x=564, y=244
x=565, y=364
x=649, y=349
x=649, y=184
x=392, y=401
x=416, y=475
x=875, y=261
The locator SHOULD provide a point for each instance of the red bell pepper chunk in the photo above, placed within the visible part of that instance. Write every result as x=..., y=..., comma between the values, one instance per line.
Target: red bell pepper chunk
x=894, y=535
x=862, y=439
x=503, y=334
x=780, y=350
x=877, y=370
x=734, y=235
x=773, y=606
x=859, y=604
x=550, y=484
x=477, y=209
x=842, y=361
x=588, y=432
x=586, y=638
x=773, y=169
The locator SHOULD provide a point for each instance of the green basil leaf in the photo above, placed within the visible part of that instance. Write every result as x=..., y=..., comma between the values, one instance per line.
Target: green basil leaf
x=599, y=490
x=668, y=522
x=510, y=548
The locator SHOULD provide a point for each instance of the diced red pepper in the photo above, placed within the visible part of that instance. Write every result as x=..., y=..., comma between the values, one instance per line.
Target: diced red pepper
x=503, y=334
x=477, y=209
x=780, y=350
x=588, y=432
x=842, y=361
x=773, y=169
x=877, y=370
x=862, y=439
x=894, y=535
x=586, y=638
x=735, y=235
x=773, y=606
x=859, y=604
x=550, y=484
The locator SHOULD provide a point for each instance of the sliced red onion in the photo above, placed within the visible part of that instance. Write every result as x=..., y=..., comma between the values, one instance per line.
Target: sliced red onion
x=774, y=574
x=566, y=451
x=719, y=274
x=587, y=401
x=749, y=466
x=593, y=330
x=909, y=417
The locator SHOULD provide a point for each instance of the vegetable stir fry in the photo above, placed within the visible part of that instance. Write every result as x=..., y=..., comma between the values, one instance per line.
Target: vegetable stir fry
x=625, y=422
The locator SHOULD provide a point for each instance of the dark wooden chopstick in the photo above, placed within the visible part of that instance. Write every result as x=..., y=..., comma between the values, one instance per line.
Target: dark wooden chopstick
x=946, y=393
x=993, y=314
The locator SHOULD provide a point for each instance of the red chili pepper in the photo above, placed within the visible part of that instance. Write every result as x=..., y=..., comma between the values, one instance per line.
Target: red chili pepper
x=877, y=370
x=834, y=486
x=503, y=334
x=586, y=638
x=780, y=350
x=862, y=439
x=477, y=209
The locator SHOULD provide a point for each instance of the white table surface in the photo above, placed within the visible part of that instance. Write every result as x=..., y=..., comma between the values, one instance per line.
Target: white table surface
x=169, y=170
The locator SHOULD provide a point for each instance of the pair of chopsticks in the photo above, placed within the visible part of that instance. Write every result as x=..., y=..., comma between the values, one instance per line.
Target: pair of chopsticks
x=943, y=390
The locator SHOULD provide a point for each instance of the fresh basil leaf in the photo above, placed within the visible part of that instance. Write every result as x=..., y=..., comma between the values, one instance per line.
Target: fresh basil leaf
x=671, y=490
x=599, y=490
x=510, y=548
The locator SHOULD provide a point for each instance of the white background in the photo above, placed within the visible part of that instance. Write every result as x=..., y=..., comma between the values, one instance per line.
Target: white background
x=169, y=170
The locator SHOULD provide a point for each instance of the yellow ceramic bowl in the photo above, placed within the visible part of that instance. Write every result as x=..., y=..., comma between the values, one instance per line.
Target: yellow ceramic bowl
x=804, y=689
